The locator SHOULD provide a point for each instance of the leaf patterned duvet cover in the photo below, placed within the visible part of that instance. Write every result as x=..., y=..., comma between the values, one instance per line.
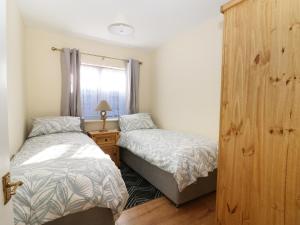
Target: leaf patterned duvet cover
x=187, y=157
x=64, y=173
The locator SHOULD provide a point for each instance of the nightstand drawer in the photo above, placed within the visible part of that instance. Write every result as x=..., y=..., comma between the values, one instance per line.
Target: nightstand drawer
x=105, y=140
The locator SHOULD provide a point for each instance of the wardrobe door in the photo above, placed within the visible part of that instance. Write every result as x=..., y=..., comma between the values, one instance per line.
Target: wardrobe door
x=289, y=67
x=259, y=160
x=235, y=168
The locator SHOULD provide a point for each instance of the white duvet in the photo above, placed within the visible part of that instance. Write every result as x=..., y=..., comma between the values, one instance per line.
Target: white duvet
x=187, y=157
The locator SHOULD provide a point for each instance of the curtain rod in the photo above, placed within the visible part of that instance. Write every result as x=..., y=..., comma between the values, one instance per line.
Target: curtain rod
x=90, y=54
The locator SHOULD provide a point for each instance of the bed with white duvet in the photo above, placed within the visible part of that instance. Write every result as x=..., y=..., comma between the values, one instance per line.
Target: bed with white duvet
x=182, y=166
x=64, y=173
x=186, y=157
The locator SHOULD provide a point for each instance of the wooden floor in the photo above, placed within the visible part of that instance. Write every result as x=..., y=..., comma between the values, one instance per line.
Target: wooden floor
x=162, y=212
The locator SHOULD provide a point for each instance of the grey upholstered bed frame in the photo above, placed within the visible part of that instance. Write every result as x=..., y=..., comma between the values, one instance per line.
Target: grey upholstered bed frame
x=93, y=216
x=165, y=182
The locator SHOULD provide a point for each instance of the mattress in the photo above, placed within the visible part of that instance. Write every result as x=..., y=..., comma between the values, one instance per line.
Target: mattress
x=64, y=173
x=186, y=157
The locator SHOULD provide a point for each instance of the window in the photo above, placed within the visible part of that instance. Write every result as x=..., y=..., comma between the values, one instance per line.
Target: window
x=102, y=83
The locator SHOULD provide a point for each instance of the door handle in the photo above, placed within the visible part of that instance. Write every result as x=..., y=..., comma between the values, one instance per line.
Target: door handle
x=9, y=188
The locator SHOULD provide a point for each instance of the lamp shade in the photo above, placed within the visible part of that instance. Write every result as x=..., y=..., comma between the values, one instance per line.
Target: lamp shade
x=103, y=106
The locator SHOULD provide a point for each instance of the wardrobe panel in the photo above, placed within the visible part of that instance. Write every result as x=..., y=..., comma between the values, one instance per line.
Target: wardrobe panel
x=259, y=159
x=292, y=80
x=275, y=141
x=256, y=161
x=236, y=70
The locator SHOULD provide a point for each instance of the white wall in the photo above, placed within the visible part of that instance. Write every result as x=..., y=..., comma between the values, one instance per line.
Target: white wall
x=187, y=80
x=15, y=78
x=180, y=81
x=43, y=82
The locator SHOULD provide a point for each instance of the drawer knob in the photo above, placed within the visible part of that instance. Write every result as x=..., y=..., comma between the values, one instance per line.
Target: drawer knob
x=105, y=139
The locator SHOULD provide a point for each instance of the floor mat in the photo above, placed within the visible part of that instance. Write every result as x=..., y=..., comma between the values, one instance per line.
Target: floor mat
x=139, y=189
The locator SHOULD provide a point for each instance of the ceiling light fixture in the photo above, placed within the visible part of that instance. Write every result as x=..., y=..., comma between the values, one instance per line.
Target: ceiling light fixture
x=121, y=29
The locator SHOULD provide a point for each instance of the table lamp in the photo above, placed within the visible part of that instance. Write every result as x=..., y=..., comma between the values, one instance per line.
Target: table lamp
x=103, y=107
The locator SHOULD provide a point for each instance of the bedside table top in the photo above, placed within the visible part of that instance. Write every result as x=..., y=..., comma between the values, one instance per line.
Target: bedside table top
x=97, y=132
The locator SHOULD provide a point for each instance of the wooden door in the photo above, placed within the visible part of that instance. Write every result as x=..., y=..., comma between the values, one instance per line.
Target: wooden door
x=259, y=160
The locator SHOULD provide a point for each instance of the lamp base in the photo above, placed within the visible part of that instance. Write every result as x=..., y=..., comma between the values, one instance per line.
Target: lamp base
x=103, y=118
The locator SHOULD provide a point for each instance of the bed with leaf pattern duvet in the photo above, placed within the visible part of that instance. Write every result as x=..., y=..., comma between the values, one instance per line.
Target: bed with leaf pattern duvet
x=63, y=174
x=186, y=157
x=182, y=166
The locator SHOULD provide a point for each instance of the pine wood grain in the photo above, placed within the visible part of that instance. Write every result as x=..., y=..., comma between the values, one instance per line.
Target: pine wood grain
x=162, y=212
x=291, y=29
x=259, y=172
x=230, y=4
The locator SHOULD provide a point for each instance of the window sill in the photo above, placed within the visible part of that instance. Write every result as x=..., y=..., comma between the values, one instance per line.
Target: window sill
x=107, y=120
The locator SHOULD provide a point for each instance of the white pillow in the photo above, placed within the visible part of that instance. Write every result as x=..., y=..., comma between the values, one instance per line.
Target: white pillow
x=51, y=125
x=136, y=122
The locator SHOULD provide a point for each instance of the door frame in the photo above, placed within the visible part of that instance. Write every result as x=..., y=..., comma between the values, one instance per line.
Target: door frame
x=6, y=212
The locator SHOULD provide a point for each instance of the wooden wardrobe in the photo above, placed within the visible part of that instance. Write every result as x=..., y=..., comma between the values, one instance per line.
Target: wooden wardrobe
x=259, y=159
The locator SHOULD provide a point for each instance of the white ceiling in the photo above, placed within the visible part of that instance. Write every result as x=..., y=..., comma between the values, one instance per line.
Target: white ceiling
x=155, y=21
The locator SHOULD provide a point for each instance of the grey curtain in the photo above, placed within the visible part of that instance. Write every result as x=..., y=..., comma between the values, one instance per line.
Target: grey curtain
x=70, y=68
x=133, y=70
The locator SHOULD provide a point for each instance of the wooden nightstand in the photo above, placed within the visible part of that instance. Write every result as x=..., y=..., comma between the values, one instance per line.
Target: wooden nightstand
x=107, y=141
